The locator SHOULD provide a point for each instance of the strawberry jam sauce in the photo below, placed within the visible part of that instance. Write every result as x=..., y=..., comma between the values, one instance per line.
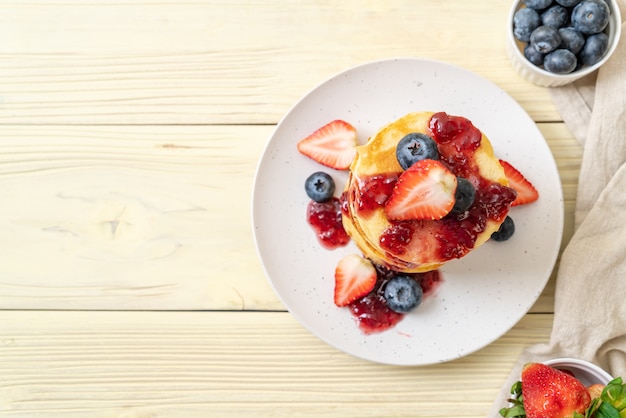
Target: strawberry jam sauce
x=374, y=192
x=325, y=218
x=371, y=311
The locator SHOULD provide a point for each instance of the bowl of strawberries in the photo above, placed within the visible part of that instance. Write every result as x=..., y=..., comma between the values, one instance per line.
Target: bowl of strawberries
x=566, y=387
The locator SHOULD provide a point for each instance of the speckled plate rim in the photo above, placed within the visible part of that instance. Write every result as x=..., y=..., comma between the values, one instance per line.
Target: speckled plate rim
x=484, y=294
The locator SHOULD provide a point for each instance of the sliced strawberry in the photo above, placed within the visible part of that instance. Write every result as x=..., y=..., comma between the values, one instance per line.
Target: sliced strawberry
x=551, y=393
x=526, y=192
x=424, y=191
x=355, y=277
x=333, y=145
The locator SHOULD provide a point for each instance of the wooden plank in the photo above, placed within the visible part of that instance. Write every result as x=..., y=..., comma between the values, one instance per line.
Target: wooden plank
x=199, y=364
x=130, y=218
x=149, y=217
x=207, y=62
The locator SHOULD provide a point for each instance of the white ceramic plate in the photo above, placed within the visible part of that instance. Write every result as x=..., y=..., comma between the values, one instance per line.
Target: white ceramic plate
x=485, y=293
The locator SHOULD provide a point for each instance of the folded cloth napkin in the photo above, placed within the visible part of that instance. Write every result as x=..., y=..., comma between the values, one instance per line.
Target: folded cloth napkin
x=590, y=296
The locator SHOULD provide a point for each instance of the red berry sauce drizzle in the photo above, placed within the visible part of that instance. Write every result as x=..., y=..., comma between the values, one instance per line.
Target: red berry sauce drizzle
x=456, y=139
x=325, y=218
x=371, y=311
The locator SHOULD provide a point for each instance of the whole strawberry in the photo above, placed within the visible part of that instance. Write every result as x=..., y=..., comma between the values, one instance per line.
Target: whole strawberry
x=552, y=393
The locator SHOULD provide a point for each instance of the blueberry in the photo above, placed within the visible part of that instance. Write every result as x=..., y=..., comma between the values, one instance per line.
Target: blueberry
x=506, y=230
x=556, y=16
x=537, y=4
x=464, y=195
x=560, y=61
x=319, y=186
x=524, y=22
x=545, y=39
x=590, y=16
x=568, y=3
x=402, y=294
x=415, y=147
x=533, y=55
x=594, y=49
x=571, y=39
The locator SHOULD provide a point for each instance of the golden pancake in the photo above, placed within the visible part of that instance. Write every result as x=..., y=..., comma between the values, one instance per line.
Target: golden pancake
x=422, y=245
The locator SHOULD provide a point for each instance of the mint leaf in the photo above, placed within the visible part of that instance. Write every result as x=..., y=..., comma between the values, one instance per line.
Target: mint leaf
x=514, y=412
x=607, y=411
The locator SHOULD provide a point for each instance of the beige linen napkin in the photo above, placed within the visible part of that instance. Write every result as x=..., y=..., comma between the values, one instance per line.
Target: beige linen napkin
x=590, y=298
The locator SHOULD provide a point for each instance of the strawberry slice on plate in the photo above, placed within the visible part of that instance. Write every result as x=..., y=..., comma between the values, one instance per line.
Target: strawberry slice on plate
x=332, y=145
x=526, y=192
x=424, y=191
x=355, y=277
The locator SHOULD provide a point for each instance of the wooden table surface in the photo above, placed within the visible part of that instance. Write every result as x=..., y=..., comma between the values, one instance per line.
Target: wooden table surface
x=130, y=131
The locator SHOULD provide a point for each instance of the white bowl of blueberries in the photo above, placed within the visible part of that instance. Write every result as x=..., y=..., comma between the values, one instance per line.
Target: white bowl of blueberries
x=555, y=42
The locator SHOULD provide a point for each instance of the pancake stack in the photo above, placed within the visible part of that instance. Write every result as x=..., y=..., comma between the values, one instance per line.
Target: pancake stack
x=413, y=246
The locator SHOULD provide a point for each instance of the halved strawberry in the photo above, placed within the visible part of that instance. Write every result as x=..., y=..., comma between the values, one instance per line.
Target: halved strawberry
x=424, y=191
x=333, y=145
x=526, y=192
x=355, y=277
x=552, y=393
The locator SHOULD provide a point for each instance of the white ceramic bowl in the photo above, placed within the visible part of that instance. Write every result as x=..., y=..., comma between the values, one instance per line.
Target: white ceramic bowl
x=541, y=77
x=588, y=373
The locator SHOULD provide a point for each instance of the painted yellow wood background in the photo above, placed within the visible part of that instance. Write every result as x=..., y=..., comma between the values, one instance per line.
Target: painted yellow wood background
x=130, y=131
